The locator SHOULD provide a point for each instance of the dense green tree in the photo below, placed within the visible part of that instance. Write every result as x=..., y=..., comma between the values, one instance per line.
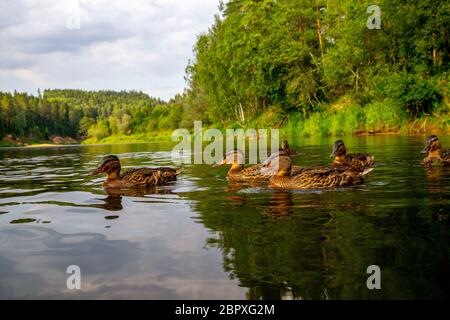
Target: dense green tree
x=301, y=55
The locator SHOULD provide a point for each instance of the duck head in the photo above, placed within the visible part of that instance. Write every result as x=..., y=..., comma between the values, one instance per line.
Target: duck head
x=285, y=145
x=338, y=149
x=110, y=165
x=235, y=158
x=433, y=145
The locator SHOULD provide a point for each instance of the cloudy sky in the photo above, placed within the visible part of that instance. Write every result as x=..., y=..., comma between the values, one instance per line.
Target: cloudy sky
x=100, y=44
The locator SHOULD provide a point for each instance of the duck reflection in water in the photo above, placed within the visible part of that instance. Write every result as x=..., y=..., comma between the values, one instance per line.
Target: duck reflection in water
x=281, y=205
x=113, y=202
x=437, y=177
x=235, y=187
x=137, y=192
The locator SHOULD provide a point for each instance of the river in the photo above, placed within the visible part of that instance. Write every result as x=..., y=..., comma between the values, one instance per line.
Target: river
x=204, y=238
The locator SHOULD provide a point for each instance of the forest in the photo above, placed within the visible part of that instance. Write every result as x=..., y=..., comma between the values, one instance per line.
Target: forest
x=77, y=114
x=309, y=67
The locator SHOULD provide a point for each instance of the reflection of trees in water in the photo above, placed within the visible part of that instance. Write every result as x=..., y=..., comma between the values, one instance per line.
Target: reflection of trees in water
x=271, y=257
x=438, y=181
x=323, y=252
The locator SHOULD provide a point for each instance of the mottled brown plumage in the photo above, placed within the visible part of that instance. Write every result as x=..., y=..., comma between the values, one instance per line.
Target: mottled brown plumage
x=238, y=172
x=133, y=177
x=356, y=160
x=316, y=177
x=435, y=154
x=269, y=167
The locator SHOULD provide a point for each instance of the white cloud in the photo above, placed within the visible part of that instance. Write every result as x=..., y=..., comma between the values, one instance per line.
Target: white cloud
x=28, y=75
x=140, y=44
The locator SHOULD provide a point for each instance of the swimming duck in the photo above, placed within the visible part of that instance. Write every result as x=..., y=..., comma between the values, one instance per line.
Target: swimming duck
x=237, y=171
x=269, y=167
x=285, y=149
x=434, y=152
x=133, y=177
x=315, y=178
x=341, y=158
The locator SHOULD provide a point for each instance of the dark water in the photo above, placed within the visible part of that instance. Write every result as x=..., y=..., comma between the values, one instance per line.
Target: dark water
x=202, y=237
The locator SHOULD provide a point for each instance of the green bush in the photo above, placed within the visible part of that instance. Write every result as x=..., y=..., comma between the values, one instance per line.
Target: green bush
x=100, y=130
x=384, y=116
x=317, y=124
x=416, y=95
x=348, y=121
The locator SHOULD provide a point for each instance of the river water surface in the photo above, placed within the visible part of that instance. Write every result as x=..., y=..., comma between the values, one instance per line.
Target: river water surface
x=203, y=238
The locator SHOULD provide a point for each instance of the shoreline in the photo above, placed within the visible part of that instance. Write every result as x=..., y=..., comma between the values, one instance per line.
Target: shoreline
x=123, y=140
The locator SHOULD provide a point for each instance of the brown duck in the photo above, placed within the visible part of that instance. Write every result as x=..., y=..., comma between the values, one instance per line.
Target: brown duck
x=237, y=171
x=270, y=166
x=341, y=158
x=133, y=177
x=286, y=149
x=315, y=178
x=434, y=152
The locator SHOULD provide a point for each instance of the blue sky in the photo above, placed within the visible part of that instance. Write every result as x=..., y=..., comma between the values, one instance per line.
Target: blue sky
x=100, y=44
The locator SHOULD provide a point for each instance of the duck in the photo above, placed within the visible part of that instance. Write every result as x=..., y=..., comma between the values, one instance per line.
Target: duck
x=237, y=171
x=269, y=167
x=315, y=177
x=285, y=149
x=134, y=177
x=341, y=158
x=434, y=152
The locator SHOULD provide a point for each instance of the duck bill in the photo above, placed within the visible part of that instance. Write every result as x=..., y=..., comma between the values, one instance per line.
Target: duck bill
x=221, y=163
x=95, y=172
x=425, y=149
x=333, y=154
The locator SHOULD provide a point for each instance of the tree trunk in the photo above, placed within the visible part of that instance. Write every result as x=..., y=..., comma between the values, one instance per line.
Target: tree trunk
x=319, y=32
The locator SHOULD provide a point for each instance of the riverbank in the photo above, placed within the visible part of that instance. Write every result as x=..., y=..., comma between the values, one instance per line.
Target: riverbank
x=293, y=130
x=349, y=121
x=159, y=136
x=9, y=141
x=355, y=120
x=341, y=119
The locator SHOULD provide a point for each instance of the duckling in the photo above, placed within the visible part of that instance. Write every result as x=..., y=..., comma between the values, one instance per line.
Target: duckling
x=434, y=152
x=315, y=178
x=134, y=177
x=237, y=171
x=341, y=158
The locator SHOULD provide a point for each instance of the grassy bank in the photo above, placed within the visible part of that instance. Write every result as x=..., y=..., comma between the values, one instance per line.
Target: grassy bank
x=343, y=121
x=344, y=118
x=373, y=118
